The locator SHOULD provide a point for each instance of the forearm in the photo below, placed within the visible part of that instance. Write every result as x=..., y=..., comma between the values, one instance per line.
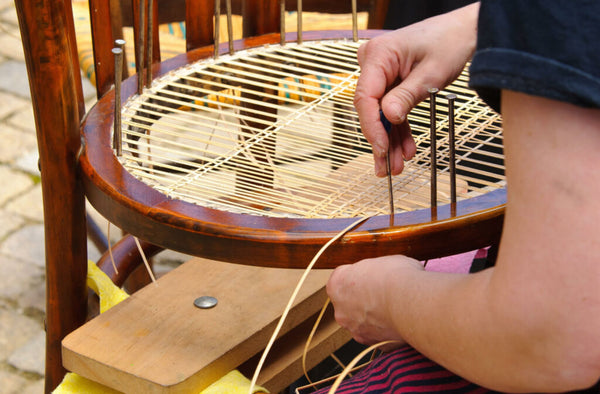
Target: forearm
x=532, y=322
x=462, y=322
x=449, y=318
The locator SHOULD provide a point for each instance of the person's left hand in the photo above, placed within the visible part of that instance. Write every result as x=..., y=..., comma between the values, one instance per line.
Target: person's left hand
x=361, y=294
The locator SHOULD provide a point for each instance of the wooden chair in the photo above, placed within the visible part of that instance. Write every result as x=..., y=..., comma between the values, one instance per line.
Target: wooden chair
x=77, y=161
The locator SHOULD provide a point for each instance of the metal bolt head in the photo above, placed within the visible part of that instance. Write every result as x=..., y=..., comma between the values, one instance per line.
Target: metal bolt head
x=205, y=302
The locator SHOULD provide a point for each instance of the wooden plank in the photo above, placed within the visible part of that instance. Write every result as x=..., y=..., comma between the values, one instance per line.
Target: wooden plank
x=157, y=341
x=284, y=363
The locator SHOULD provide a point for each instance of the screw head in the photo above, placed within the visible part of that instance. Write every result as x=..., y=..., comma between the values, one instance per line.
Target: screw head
x=205, y=302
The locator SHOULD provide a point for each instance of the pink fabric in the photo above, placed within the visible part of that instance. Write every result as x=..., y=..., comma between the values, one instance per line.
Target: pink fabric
x=458, y=264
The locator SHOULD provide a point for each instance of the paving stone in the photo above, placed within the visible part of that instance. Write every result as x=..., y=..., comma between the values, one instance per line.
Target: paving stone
x=11, y=46
x=17, y=276
x=15, y=331
x=30, y=357
x=13, y=184
x=23, y=119
x=12, y=383
x=15, y=144
x=28, y=162
x=14, y=73
x=6, y=3
x=11, y=103
x=9, y=14
x=33, y=298
x=9, y=222
x=29, y=204
x=26, y=244
x=33, y=388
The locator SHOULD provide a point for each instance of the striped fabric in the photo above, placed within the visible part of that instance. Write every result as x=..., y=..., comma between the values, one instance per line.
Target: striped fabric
x=405, y=371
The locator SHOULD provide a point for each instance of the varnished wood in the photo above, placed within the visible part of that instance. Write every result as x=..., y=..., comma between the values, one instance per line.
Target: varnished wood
x=199, y=23
x=127, y=258
x=52, y=77
x=103, y=39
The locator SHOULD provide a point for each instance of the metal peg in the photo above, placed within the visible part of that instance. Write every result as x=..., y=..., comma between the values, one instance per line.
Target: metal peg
x=451, y=145
x=354, y=21
x=282, y=22
x=433, y=143
x=229, y=26
x=149, y=43
x=141, y=44
x=217, y=33
x=299, y=29
x=117, y=136
x=387, y=125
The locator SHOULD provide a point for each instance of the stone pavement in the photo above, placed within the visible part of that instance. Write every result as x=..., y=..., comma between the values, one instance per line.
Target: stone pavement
x=22, y=289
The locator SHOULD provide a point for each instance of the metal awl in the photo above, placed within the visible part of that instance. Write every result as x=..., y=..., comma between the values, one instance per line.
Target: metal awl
x=388, y=127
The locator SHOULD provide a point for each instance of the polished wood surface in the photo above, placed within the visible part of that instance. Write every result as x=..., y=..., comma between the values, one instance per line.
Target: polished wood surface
x=191, y=347
x=53, y=79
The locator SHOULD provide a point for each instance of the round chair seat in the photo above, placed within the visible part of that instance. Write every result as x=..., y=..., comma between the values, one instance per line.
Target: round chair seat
x=257, y=157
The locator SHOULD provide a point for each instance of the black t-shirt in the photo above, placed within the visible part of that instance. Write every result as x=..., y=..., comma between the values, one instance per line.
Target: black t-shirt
x=548, y=48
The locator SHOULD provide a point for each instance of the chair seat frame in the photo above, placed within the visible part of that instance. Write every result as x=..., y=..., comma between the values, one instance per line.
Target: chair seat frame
x=271, y=241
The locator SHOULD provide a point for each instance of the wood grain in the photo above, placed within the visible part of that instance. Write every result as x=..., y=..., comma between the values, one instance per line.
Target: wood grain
x=157, y=341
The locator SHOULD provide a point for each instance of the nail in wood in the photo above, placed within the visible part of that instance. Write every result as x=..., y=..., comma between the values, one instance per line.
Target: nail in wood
x=117, y=136
x=433, y=143
x=452, y=146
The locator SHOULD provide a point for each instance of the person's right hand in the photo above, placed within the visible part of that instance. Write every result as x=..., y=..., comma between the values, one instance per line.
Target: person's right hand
x=399, y=67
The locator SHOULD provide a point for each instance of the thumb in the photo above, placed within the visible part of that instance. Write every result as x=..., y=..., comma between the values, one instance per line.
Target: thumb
x=400, y=100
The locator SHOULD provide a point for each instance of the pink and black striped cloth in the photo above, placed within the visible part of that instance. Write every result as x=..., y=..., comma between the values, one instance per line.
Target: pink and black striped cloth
x=405, y=371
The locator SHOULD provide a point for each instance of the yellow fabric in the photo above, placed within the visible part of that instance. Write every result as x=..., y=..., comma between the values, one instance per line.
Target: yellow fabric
x=75, y=384
x=110, y=295
x=232, y=383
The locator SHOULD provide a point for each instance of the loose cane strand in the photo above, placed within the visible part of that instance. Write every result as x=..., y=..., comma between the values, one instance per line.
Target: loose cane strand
x=293, y=298
x=356, y=359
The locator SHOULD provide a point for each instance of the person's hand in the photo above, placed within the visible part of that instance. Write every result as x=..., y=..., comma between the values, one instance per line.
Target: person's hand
x=399, y=67
x=360, y=295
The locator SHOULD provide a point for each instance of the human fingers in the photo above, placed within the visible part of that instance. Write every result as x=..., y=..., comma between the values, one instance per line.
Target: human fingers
x=379, y=70
x=413, y=89
x=402, y=148
x=358, y=294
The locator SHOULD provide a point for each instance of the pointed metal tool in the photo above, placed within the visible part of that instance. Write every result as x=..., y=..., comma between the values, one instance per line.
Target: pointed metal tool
x=388, y=127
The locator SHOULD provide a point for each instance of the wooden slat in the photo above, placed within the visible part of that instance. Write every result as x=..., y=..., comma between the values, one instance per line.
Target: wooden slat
x=157, y=341
x=284, y=363
x=199, y=23
x=103, y=41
